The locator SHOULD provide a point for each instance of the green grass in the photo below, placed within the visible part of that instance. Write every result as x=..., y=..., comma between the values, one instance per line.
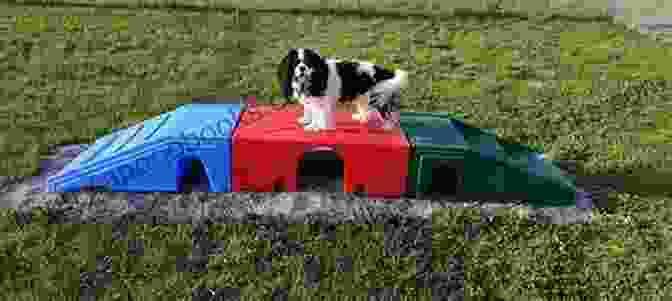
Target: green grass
x=573, y=8
x=625, y=256
x=71, y=249
x=632, y=14
x=562, y=85
x=618, y=256
x=98, y=66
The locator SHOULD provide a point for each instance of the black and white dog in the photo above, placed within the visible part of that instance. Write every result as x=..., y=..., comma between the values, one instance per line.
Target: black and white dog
x=304, y=74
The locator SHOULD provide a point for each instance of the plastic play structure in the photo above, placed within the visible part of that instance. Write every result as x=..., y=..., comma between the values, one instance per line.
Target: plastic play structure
x=237, y=146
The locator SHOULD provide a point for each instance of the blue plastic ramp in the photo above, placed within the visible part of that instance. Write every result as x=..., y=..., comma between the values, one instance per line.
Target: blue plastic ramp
x=158, y=154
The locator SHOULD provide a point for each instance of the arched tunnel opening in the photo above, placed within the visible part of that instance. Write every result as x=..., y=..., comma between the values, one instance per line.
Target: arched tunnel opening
x=192, y=176
x=320, y=171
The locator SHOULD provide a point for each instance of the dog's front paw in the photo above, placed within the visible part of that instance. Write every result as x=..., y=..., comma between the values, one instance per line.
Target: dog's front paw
x=304, y=121
x=311, y=128
x=360, y=117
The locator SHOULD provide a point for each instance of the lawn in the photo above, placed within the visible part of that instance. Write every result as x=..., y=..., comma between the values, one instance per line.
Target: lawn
x=585, y=90
x=154, y=273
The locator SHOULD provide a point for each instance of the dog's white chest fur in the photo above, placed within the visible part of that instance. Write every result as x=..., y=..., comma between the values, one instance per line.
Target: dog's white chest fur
x=318, y=111
x=334, y=81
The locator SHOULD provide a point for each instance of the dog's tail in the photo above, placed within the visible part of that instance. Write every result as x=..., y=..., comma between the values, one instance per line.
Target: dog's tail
x=385, y=96
x=398, y=82
x=391, y=86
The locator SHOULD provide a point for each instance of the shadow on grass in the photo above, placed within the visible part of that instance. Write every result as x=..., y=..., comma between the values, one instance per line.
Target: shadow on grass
x=643, y=182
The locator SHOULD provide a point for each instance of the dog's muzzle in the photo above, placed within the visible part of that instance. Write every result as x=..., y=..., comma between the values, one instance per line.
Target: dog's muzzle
x=302, y=82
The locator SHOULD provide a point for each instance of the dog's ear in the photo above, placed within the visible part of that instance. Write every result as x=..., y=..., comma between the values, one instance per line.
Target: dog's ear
x=285, y=71
x=320, y=75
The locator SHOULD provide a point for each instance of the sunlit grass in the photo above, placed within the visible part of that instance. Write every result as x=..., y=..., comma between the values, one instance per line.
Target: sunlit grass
x=660, y=133
x=456, y=88
x=68, y=80
x=573, y=87
x=643, y=63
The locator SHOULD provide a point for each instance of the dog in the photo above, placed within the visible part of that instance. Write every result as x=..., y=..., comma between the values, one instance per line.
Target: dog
x=308, y=77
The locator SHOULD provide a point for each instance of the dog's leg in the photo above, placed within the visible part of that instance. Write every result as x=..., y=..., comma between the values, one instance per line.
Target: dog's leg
x=322, y=114
x=364, y=108
x=392, y=110
x=392, y=121
x=317, y=118
x=329, y=111
x=356, y=115
x=312, y=112
x=302, y=119
x=361, y=104
x=306, y=119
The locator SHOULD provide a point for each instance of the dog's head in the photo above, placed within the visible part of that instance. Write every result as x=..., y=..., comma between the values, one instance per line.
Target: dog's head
x=303, y=72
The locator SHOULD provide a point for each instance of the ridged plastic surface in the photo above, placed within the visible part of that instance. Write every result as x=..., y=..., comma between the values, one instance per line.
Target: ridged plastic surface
x=483, y=167
x=151, y=156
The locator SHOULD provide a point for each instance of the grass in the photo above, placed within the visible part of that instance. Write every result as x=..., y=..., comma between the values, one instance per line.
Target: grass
x=154, y=275
x=618, y=255
x=585, y=90
x=105, y=65
x=571, y=8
